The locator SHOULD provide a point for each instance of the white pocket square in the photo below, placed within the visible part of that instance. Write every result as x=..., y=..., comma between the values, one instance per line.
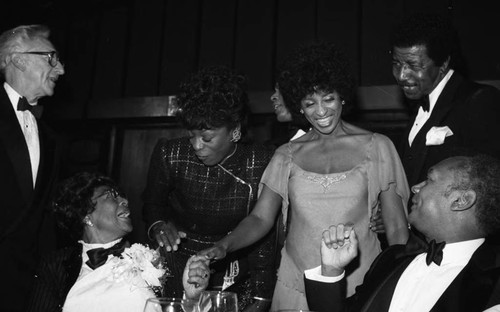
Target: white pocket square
x=436, y=135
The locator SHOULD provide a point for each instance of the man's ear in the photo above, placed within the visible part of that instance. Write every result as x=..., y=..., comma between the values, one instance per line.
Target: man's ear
x=443, y=69
x=464, y=201
x=18, y=62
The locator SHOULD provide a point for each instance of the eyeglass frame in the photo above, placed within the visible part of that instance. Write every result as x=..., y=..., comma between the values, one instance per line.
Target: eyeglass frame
x=53, y=56
x=114, y=193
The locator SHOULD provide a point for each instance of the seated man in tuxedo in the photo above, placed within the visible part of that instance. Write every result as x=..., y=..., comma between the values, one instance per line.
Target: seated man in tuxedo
x=457, y=206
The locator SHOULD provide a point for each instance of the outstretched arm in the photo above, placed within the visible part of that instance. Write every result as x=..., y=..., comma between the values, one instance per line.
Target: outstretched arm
x=255, y=226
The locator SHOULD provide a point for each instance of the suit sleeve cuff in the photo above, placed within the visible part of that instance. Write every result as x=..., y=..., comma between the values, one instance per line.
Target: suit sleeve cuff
x=315, y=275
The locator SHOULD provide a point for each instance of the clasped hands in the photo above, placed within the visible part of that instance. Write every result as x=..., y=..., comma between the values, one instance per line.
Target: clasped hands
x=339, y=246
x=195, y=276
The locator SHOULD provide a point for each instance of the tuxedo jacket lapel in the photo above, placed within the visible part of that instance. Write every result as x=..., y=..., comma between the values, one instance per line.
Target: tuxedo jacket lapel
x=48, y=160
x=476, y=281
x=443, y=105
x=72, y=265
x=13, y=139
x=441, y=109
x=375, y=294
x=381, y=297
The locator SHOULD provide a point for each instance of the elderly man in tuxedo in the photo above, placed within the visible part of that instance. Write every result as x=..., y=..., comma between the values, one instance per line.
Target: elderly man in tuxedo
x=455, y=116
x=457, y=207
x=30, y=67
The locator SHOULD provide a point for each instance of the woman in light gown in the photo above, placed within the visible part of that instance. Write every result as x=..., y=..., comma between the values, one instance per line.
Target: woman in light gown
x=102, y=271
x=337, y=172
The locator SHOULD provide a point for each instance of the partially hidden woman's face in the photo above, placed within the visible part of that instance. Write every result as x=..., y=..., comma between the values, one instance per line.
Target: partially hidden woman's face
x=281, y=111
x=322, y=110
x=212, y=146
x=111, y=217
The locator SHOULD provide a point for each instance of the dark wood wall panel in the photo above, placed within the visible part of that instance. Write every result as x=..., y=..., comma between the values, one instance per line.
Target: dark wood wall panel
x=144, y=49
x=138, y=144
x=376, y=22
x=218, y=32
x=478, y=25
x=338, y=22
x=111, y=54
x=296, y=24
x=75, y=87
x=255, y=42
x=427, y=6
x=180, y=43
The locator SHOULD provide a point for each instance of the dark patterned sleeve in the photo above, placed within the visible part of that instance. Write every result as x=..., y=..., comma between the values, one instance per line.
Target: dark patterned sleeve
x=155, y=195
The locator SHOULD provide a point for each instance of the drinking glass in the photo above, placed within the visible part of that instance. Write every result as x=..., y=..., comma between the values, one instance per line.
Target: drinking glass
x=218, y=301
x=170, y=305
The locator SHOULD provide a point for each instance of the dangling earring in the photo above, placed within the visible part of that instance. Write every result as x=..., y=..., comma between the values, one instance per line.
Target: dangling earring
x=301, y=111
x=236, y=135
x=343, y=102
x=87, y=221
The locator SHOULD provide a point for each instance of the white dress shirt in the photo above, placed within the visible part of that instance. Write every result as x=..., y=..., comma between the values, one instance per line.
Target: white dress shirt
x=28, y=125
x=105, y=289
x=423, y=116
x=421, y=285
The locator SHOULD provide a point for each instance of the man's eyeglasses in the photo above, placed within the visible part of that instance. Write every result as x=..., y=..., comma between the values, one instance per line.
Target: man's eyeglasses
x=53, y=56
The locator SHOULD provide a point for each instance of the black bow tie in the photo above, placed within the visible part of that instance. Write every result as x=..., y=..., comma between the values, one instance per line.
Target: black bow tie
x=417, y=245
x=99, y=256
x=23, y=105
x=424, y=102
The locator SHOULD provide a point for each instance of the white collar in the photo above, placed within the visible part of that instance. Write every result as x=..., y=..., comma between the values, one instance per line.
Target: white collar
x=13, y=95
x=461, y=252
x=89, y=246
x=434, y=95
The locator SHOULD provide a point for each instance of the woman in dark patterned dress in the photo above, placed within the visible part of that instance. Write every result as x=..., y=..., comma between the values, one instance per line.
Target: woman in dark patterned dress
x=201, y=186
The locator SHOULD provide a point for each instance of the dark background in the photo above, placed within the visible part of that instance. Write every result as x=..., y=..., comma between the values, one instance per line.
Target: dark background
x=124, y=58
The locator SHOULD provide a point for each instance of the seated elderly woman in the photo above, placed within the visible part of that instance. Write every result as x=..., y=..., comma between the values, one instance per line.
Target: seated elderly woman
x=102, y=272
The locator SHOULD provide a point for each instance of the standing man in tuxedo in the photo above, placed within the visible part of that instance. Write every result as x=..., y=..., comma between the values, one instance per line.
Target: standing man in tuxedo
x=457, y=207
x=457, y=116
x=30, y=67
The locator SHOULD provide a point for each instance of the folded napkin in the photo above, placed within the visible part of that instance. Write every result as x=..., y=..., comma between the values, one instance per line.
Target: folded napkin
x=437, y=135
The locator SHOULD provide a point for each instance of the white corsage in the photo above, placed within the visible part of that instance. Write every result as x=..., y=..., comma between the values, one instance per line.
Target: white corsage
x=140, y=265
x=437, y=135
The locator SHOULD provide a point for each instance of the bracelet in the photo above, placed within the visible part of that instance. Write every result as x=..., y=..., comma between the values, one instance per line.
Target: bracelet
x=262, y=299
x=151, y=227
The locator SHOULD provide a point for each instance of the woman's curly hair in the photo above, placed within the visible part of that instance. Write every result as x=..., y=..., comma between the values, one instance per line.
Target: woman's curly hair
x=319, y=66
x=73, y=200
x=214, y=97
